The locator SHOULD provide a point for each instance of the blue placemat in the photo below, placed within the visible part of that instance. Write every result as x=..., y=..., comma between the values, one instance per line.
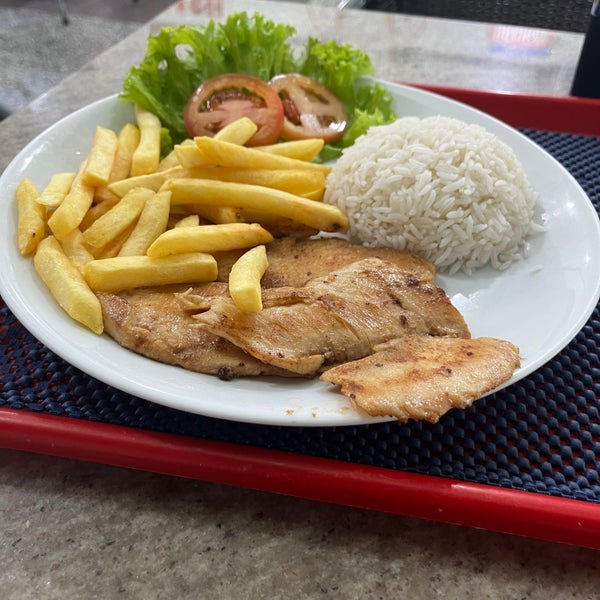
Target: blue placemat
x=540, y=435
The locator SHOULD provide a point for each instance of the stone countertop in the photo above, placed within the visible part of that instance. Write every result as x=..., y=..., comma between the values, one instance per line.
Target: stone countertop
x=403, y=49
x=81, y=530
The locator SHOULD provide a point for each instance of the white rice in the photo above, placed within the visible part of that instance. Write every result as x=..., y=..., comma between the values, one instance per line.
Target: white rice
x=448, y=191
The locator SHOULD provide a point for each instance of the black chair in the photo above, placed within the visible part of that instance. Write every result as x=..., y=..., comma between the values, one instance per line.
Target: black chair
x=64, y=11
x=565, y=15
x=587, y=78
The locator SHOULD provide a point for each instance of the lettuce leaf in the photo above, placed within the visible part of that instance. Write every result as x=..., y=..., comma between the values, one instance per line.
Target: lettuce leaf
x=178, y=59
x=337, y=67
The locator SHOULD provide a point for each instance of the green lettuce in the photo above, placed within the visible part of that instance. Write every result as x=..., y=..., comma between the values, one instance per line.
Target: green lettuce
x=178, y=59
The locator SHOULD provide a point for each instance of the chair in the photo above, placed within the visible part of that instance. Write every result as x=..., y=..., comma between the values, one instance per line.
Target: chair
x=64, y=11
x=563, y=15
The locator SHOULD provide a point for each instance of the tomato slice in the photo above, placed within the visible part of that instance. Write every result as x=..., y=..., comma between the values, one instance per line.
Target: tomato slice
x=310, y=109
x=225, y=98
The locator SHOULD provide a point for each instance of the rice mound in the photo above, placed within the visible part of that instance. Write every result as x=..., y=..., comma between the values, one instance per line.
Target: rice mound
x=446, y=190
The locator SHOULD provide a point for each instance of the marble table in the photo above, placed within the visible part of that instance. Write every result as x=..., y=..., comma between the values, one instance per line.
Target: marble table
x=74, y=529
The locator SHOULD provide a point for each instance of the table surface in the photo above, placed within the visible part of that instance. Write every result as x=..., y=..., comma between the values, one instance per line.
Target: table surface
x=80, y=530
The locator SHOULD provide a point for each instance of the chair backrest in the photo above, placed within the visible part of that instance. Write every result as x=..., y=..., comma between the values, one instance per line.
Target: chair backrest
x=562, y=15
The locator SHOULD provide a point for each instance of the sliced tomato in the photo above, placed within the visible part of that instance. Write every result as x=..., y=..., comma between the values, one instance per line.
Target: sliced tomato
x=225, y=98
x=310, y=109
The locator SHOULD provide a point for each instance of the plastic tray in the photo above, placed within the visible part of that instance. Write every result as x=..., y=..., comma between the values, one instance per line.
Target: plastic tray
x=523, y=461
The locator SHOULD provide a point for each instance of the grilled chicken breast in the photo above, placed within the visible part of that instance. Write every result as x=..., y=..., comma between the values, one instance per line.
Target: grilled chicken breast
x=422, y=377
x=370, y=320
x=336, y=318
x=157, y=322
x=295, y=261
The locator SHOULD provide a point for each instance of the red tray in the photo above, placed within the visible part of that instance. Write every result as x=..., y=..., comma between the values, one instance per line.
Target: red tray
x=476, y=505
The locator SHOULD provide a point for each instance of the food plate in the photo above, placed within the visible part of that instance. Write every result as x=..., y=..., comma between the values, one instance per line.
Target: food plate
x=539, y=303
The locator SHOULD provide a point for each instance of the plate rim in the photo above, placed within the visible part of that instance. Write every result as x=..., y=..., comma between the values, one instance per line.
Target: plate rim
x=24, y=313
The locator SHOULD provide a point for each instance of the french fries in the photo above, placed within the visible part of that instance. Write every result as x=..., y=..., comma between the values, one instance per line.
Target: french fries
x=209, y=238
x=153, y=181
x=152, y=222
x=96, y=211
x=117, y=219
x=56, y=190
x=215, y=214
x=211, y=152
x=76, y=249
x=295, y=181
x=101, y=158
x=127, y=142
x=126, y=219
x=67, y=285
x=237, y=132
x=31, y=221
x=113, y=248
x=189, y=221
x=324, y=217
x=123, y=272
x=244, y=279
x=170, y=160
x=72, y=209
x=298, y=149
x=146, y=156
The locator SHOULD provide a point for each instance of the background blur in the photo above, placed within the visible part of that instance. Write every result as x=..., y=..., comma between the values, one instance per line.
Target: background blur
x=45, y=40
x=39, y=49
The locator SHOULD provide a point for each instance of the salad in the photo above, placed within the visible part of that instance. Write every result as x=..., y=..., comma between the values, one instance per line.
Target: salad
x=248, y=62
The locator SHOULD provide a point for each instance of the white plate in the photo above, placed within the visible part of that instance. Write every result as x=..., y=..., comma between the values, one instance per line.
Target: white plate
x=539, y=303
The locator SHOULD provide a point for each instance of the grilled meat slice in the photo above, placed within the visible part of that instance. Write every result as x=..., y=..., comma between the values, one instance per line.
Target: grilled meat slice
x=156, y=323
x=293, y=262
x=422, y=377
x=335, y=318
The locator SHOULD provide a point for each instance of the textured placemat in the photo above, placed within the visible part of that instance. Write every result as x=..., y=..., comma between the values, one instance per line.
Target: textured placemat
x=540, y=435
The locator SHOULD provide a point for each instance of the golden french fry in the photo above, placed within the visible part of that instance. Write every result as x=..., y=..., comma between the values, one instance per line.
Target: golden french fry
x=127, y=142
x=215, y=214
x=73, y=208
x=209, y=238
x=170, y=160
x=298, y=149
x=76, y=249
x=178, y=211
x=294, y=181
x=152, y=181
x=96, y=211
x=210, y=152
x=67, y=284
x=189, y=221
x=324, y=217
x=31, y=217
x=124, y=272
x=56, y=189
x=152, y=222
x=117, y=219
x=146, y=156
x=189, y=157
x=113, y=248
x=101, y=157
x=244, y=279
x=238, y=131
x=315, y=195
